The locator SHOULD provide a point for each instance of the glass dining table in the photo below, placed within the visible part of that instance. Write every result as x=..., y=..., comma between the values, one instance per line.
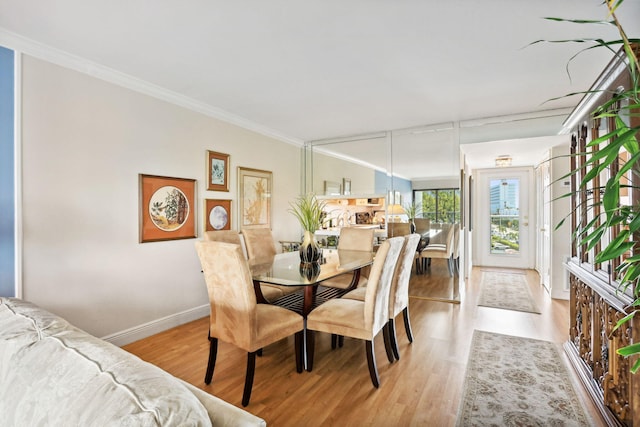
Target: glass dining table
x=285, y=269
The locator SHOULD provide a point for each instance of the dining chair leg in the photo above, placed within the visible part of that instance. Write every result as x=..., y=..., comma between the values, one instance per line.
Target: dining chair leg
x=394, y=340
x=310, y=349
x=407, y=324
x=371, y=361
x=336, y=341
x=211, y=364
x=387, y=343
x=248, y=381
x=299, y=349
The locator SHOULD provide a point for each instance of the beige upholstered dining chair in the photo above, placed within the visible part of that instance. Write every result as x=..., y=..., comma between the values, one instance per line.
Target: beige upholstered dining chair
x=395, y=229
x=260, y=245
x=352, y=239
x=399, y=293
x=455, y=254
x=422, y=225
x=441, y=248
x=269, y=292
x=360, y=319
x=235, y=316
x=261, y=249
x=228, y=236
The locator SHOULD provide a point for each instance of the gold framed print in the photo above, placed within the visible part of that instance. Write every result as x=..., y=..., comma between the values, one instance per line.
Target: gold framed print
x=254, y=197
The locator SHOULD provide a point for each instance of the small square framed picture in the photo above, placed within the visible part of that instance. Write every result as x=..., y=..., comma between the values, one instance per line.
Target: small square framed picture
x=217, y=171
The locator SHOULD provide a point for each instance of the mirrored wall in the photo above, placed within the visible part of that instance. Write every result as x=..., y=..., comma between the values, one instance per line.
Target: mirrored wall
x=369, y=180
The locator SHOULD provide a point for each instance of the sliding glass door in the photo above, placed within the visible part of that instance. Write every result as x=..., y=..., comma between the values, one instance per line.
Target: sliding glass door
x=441, y=205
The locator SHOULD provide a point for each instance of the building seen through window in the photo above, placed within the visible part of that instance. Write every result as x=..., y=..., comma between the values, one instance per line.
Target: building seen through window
x=504, y=215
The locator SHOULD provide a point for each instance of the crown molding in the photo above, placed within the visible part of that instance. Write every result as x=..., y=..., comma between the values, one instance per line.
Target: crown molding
x=618, y=65
x=23, y=45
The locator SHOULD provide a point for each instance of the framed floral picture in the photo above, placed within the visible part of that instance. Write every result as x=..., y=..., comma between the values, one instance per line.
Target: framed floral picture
x=217, y=215
x=254, y=196
x=217, y=171
x=167, y=208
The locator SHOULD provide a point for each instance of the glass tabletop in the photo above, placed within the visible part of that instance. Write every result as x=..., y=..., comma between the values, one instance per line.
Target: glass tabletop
x=287, y=270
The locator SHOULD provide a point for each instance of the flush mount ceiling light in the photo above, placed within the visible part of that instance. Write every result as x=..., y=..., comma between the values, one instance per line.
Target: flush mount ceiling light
x=503, y=161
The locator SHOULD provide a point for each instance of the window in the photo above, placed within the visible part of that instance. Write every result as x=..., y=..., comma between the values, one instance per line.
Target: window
x=504, y=215
x=442, y=205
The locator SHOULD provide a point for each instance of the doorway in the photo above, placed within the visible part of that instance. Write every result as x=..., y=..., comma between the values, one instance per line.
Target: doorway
x=504, y=218
x=543, y=233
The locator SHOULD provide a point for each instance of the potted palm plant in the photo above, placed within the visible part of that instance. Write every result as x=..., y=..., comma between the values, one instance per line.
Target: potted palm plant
x=309, y=211
x=604, y=154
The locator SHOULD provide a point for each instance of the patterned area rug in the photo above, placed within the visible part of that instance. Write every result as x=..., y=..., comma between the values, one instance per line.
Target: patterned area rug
x=513, y=381
x=506, y=290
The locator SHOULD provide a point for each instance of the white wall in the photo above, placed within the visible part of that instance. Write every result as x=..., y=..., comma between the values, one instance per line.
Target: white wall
x=328, y=168
x=84, y=143
x=560, y=208
x=436, y=183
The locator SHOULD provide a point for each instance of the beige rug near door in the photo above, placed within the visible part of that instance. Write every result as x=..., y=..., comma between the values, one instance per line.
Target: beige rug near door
x=508, y=291
x=514, y=381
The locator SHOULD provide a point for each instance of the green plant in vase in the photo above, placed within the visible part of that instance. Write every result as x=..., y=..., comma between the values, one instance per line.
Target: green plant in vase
x=310, y=212
x=412, y=210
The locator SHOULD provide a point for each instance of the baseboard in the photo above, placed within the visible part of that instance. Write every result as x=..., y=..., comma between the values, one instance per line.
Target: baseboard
x=156, y=326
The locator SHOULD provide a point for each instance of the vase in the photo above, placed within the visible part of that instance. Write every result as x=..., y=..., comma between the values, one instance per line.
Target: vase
x=309, y=248
x=412, y=226
x=310, y=270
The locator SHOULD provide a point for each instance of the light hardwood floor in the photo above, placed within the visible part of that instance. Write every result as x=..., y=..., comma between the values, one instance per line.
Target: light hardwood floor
x=422, y=389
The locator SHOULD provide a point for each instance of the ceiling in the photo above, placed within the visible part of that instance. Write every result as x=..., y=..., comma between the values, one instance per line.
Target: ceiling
x=316, y=69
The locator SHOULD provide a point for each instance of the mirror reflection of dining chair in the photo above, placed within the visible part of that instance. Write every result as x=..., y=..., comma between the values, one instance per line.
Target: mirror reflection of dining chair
x=422, y=225
x=395, y=229
x=399, y=293
x=235, y=317
x=269, y=292
x=455, y=254
x=360, y=319
x=352, y=239
x=440, y=248
x=261, y=249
